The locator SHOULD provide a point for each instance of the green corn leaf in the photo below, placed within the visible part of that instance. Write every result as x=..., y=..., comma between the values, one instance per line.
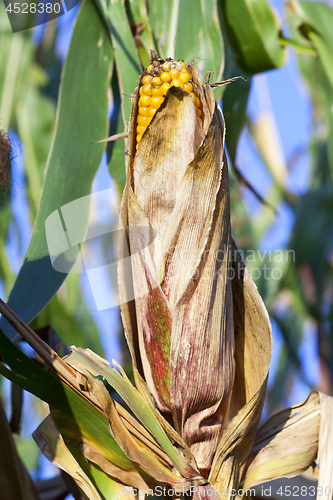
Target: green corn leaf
x=73, y=160
x=96, y=452
x=137, y=15
x=234, y=101
x=312, y=71
x=128, y=68
x=15, y=59
x=183, y=36
x=90, y=423
x=98, y=367
x=127, y=61
x=106, y=486
x=35, y=120
x=316, y=20
x=254, y=34
x=330, y=143
x=311, y=248
x=134, y=451
x=49, y=439
x=116, y=152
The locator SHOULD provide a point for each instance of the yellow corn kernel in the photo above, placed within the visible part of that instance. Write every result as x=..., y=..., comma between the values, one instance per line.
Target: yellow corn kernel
x=156, y=81
x=146, y=79
x=165, y=87
x=152, y=111
x=185, y=76
x=188, y=87
x=195, y=99
x=177, y=83
x=146, y=89
x=174, y=73
x=165, y=77
x=166, y=67
x=157, y=92
x=143, y=111
x=144, y=100
x=140, y=129
x=155, y=102
x=143, y=120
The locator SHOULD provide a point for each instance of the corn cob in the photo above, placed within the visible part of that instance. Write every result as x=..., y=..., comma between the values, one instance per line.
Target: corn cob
x=182, y=321
x=155, y=82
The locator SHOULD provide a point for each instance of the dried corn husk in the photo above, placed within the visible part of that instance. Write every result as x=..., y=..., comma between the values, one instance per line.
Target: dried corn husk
x=176, y=213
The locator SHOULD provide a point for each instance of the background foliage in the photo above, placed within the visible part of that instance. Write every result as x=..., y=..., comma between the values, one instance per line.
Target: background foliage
x=53, y=120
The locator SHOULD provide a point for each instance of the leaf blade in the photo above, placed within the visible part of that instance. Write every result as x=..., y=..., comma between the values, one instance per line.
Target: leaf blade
x=256, y=39
x=81, y=117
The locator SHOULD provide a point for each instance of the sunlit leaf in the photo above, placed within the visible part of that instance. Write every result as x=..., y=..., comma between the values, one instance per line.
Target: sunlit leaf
x=255, y=39
x=183, y=36
x=98, y=366
x=57, y=394
x=316, y=20
x=50, y=441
